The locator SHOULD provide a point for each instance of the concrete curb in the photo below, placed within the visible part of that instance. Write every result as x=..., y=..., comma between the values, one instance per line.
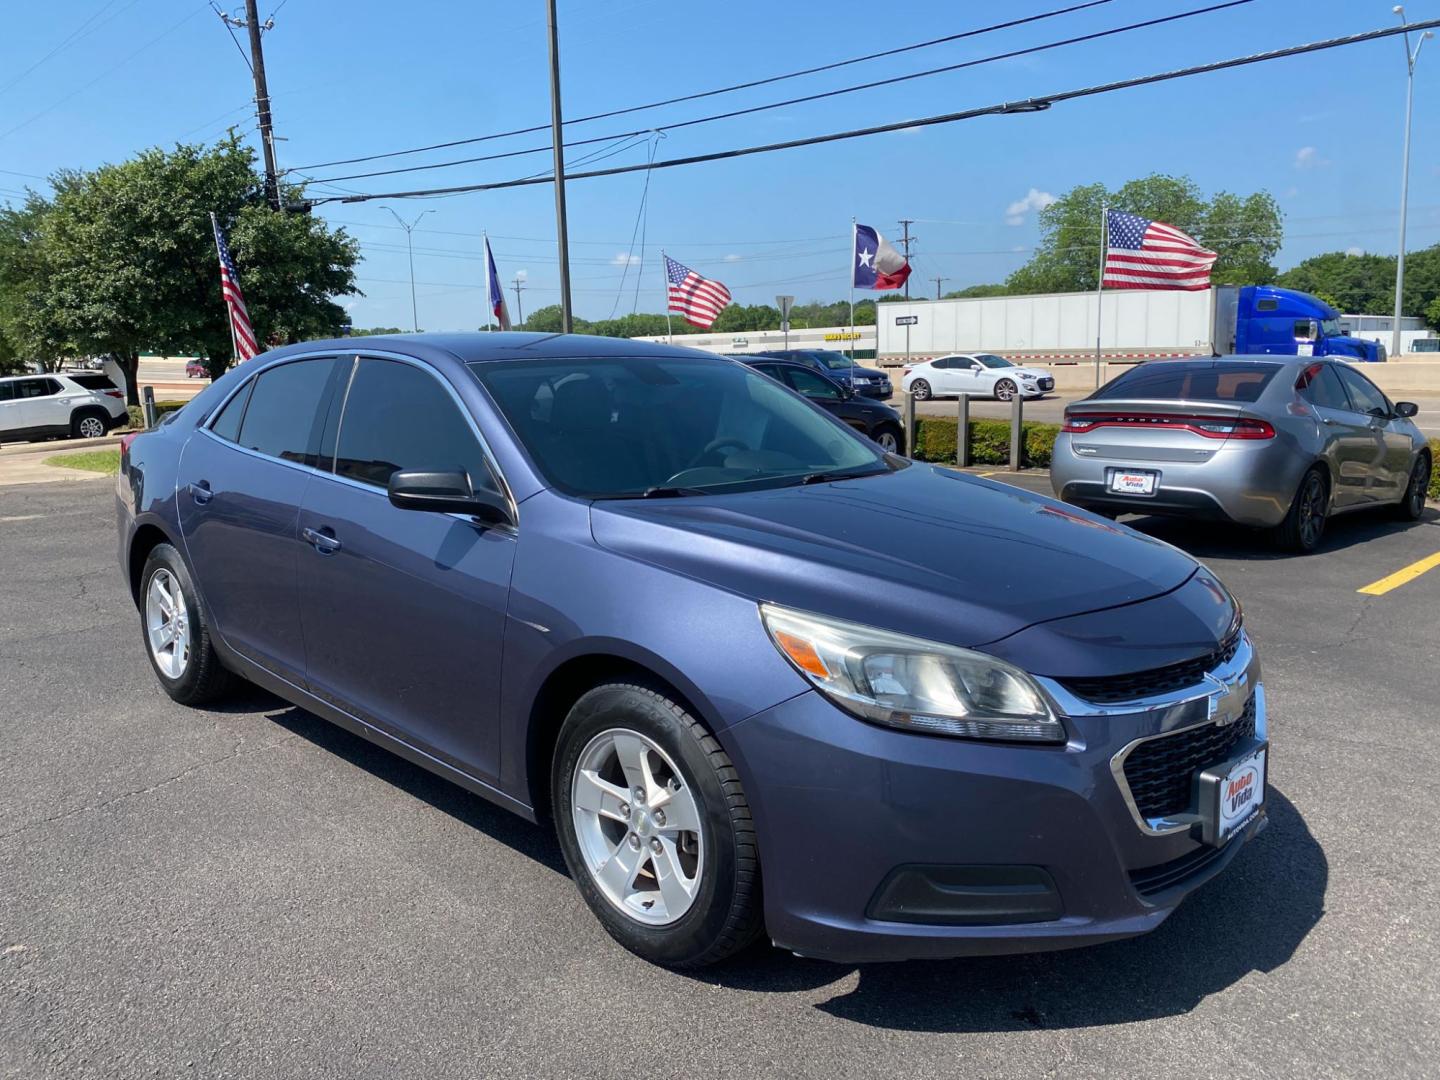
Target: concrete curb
x=56, y=446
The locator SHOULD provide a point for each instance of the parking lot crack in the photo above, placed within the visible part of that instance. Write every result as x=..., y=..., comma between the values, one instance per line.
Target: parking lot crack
x=237, y=751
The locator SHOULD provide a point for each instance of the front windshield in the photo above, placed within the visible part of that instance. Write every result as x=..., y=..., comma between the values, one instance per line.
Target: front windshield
x=833, y=360
x=615, y=428
x=992, y=361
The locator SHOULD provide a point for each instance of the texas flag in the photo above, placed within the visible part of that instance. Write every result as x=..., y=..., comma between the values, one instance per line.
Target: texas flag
x=493, y=287
x=877, y=265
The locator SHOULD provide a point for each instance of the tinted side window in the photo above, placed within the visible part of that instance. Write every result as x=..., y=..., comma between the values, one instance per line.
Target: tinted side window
x=227, y=424
x=33, y=388
x=1365, y=395
x=768, y=369
x=7, y=391
x=398, y=416
x=1320, y=386
x=93, y=382
x=282, y=417
x=812, y=385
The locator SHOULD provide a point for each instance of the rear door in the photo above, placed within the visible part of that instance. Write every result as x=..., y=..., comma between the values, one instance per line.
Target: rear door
x=965, y=377
x=1348, y=444
x=1391, y=469
x=239, y=488
x=11, y=423
x=404, y=610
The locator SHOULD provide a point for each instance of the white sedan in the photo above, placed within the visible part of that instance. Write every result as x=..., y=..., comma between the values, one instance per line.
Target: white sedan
x=976, y=375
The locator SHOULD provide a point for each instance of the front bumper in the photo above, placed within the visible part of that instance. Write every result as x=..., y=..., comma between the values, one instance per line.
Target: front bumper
x=878, y=390
x=1032, y=848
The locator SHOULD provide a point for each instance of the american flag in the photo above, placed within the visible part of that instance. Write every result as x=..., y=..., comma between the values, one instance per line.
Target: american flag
x=1144, y=254
x=240, y=331
x=698, y=300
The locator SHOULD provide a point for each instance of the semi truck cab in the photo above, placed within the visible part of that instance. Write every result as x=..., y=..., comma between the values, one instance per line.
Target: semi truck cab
x=1283, y=322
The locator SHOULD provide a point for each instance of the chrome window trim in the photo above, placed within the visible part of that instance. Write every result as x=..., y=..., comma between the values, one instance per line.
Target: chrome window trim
x=354, y=358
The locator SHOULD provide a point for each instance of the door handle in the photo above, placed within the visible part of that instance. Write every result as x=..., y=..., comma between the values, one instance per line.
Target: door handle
x=201, y=493
x=323, y=542
x=1327, y=421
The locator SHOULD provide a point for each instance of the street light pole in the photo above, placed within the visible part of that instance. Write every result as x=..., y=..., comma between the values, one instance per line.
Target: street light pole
x=410, y=249
x=557, y=137
x=1410, y=57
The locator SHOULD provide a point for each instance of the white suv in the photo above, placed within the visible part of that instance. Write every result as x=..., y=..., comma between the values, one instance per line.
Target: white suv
x=81, y=405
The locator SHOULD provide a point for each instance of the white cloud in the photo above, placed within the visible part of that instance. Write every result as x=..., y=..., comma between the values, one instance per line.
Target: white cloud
x=1034, y=200
x=624, y=258
x=1307, y=157
x=523, y=275
x=1291, y=191
x=733, y=258
x=1354, y=251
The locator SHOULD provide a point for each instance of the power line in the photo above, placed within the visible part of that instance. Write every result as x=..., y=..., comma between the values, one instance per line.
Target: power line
x=83, y=30
x=712, y=93
x=1037, y=103
x=732, y=114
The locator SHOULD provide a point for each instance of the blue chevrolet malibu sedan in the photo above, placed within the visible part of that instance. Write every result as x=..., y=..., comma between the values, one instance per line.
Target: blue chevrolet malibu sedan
x=763, y=677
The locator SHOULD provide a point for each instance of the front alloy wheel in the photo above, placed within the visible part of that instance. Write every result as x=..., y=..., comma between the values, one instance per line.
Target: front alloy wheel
x=1004, y=390
x=655, y=827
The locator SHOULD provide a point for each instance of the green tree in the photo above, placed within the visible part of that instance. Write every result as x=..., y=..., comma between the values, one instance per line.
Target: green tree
x=122, y=259
x=1352, y=283
x=374, y=331
x=29, y=294
x=1244, y=231
x=971, y=292
x=1432, y=314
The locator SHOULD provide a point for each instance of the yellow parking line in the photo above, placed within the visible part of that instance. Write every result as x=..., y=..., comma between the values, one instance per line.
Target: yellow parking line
x=1400, y=577
x=985, y=474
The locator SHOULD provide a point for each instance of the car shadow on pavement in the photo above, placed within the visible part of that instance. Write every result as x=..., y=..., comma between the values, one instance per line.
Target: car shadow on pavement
x=1251, y=918
x=1203, y=539
x=465, y=807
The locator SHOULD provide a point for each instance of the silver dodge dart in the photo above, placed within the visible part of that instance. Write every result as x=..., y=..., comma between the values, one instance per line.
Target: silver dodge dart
x=1275, y=443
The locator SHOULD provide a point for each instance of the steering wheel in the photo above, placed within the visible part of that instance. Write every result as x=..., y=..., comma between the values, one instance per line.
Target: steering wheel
x=716, y=444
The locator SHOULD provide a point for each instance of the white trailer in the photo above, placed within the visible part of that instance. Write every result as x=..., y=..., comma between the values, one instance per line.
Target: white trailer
x=1057, y=328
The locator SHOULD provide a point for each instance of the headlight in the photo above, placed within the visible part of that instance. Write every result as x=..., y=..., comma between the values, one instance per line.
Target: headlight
x=910, y=683
x=1028, y=377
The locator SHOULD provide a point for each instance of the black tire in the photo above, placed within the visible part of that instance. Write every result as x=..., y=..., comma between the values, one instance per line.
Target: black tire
x=1005, y=390
x=1412, y=503
x=89, y=424
x=727, y=912
x=888, y=432
x=203, y=678
x=1304, y=524
x=920, y=390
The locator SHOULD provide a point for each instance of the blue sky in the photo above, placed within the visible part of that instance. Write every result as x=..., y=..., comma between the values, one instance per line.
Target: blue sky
x=1322, y=133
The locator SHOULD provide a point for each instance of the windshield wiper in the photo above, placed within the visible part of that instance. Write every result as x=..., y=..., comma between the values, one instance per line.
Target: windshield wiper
x=840, y=474
x=663, y=492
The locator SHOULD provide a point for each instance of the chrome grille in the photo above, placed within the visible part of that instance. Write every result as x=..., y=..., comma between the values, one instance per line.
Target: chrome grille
x=1160, y=772
x=1114, y=689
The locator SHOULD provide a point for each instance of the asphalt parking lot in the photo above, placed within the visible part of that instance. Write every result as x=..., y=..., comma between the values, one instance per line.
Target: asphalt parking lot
x=250, y=892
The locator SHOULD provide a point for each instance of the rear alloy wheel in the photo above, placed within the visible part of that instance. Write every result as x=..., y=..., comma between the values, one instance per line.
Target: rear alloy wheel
x=1304, y=524
x=177, y=632
x=89, y=426
x=1413, y=504
x=890, y=439
x=920, y=390
x=1004, y=390
x=655, y=828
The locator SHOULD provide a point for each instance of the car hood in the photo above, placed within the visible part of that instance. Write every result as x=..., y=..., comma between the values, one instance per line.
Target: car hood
x=1039, y=373
x=864, y=372
x=922, y=551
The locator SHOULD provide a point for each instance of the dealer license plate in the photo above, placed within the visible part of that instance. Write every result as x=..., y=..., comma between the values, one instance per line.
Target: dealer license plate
x=1232, y=794
x=1133, y=482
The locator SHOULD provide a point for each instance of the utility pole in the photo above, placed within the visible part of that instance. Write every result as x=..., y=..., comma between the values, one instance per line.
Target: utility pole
x=905, y=224
x=409, y=247
x=519, y=311
x=905, y=241
x=1410, y=58
x=252, y=23
x=557, y=138
x=937, y=281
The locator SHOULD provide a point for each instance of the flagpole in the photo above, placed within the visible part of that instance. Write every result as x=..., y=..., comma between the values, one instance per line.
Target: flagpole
x=230, y=322
x=852, y=295
x=665, y=273
x=489, y=285
x=1100, y=283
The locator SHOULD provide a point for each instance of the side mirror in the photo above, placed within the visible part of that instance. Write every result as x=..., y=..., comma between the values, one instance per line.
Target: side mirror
x=1406, y=409
x=446, y=493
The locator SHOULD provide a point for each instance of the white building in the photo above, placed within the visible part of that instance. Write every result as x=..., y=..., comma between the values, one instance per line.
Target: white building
x=860, y=341
x=1379, y=327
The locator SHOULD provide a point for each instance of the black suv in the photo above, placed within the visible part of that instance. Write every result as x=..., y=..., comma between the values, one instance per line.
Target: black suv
x=873, y=418
x=839, y=368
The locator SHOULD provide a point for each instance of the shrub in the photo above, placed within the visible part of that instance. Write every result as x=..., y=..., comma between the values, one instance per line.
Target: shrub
x=935, y=439
x=1435, y=469
x=137, y=414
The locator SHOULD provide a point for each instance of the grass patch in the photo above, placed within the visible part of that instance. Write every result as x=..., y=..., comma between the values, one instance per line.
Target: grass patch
x=101, y=461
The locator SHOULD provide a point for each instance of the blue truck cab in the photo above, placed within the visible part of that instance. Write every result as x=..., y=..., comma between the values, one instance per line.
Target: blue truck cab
x=1283, y=322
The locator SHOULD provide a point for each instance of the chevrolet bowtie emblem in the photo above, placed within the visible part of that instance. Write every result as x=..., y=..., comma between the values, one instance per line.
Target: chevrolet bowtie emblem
x=1227, y=700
